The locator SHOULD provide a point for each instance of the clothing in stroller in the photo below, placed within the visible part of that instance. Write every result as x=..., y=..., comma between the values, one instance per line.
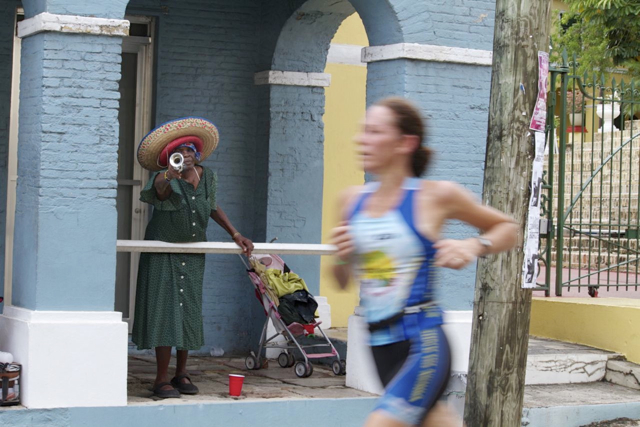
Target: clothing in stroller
x=276, y=286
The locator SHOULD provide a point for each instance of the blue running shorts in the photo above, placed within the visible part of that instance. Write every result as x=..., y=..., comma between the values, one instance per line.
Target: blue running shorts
x=414, y=373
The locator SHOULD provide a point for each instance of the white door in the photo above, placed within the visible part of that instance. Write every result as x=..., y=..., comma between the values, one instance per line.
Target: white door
x=135, y=121
x=12, y=162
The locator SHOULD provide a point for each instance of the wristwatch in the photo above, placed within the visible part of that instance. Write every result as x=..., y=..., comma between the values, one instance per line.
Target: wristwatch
x=486, y=243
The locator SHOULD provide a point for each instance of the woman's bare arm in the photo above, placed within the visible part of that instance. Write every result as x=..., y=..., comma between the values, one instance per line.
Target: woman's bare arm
x=498, y=229
x=341, y=237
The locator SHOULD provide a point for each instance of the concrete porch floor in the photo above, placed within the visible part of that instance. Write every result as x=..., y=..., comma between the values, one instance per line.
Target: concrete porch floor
x=211, y=375
x=275, y=396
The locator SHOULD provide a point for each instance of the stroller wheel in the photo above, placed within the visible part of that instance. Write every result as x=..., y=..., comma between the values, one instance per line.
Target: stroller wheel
x=338, y=367
x=251, y=363
x=309, y=369
x=303, y=370
x=283, y=360
x=292, y=360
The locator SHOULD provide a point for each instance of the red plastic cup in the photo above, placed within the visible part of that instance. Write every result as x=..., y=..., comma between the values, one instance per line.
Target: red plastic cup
x=235, y=384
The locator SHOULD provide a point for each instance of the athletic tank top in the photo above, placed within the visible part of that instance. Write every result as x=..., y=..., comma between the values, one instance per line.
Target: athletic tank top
x=393, y=263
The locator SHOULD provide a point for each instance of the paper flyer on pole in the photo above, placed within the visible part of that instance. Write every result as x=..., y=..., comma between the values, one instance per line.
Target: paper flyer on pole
x=532, y=237
x=539, y=116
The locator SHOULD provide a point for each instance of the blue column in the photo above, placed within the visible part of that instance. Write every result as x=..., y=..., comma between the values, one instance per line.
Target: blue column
x=296, y=138
x=296, y=170
x=454, y=97
x=65, y=231
x=455, y=100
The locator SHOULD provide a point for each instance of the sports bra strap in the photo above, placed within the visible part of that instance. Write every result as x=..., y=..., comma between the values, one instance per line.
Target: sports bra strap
x=410, y=185
x=367, y=191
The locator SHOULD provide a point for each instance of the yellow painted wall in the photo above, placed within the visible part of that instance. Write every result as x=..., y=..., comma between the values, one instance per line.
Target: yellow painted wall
x=344, y=108
x=607, y=323
x=351, y=31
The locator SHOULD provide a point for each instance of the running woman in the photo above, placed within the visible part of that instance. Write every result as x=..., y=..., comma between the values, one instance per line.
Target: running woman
x=390, y=239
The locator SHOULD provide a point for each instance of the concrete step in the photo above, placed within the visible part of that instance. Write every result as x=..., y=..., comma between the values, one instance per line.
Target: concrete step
x=556, y=362
x=623, y=373
x=578, y=405
x=618, y=422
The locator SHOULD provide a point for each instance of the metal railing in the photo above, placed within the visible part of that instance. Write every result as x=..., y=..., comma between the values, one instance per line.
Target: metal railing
x=590, y=198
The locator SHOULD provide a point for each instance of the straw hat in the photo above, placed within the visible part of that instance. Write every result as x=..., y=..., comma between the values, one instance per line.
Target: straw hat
x=165, y=138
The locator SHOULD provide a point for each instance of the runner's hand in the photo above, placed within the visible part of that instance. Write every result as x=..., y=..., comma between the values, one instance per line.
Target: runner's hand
x=341, y=238
x=457, y=254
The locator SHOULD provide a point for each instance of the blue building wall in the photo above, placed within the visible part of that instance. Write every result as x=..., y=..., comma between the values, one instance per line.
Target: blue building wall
x=270, y=157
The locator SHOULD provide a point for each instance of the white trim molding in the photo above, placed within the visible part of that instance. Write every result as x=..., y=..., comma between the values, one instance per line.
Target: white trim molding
x=292, y=78
x=346, y=54
x=62, y=352
x=425, y=52
x=73, y=24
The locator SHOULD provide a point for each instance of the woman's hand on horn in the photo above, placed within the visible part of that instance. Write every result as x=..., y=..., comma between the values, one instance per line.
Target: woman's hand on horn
x=173, y=174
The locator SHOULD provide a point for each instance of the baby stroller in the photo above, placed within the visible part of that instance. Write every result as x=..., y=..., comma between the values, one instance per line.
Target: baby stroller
x=292, y=332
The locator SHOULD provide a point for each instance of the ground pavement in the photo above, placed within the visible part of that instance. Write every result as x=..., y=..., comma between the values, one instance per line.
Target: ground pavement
x=211, y=375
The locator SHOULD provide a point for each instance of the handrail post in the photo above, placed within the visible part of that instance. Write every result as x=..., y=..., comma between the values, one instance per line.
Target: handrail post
x=551, y=138
x=564, y=71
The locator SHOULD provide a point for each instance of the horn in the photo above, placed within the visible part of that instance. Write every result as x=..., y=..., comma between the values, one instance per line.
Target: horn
x=176, y=160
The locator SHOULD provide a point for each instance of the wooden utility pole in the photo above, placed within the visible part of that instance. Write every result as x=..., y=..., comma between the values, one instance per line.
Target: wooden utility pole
x=499, y=342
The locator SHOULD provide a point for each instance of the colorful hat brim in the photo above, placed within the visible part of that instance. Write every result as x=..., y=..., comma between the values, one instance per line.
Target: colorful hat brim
x=157, y=140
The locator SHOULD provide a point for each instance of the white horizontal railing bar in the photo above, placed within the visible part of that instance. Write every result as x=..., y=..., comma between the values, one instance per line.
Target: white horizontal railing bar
x=223, y=248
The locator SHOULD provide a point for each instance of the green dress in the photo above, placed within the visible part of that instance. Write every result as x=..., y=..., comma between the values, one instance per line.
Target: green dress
x=169, y=291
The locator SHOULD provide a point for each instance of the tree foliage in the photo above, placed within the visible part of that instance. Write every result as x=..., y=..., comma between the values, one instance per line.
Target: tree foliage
x=602, y=34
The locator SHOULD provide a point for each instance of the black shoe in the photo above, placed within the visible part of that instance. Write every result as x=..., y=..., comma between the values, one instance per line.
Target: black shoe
x=184, y=388
x=165, y=394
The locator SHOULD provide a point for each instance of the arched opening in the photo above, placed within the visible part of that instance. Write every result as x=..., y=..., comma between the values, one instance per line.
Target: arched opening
x=311, y=127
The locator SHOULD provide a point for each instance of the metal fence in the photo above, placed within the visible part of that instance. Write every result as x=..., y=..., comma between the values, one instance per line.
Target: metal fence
x=590, y=204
